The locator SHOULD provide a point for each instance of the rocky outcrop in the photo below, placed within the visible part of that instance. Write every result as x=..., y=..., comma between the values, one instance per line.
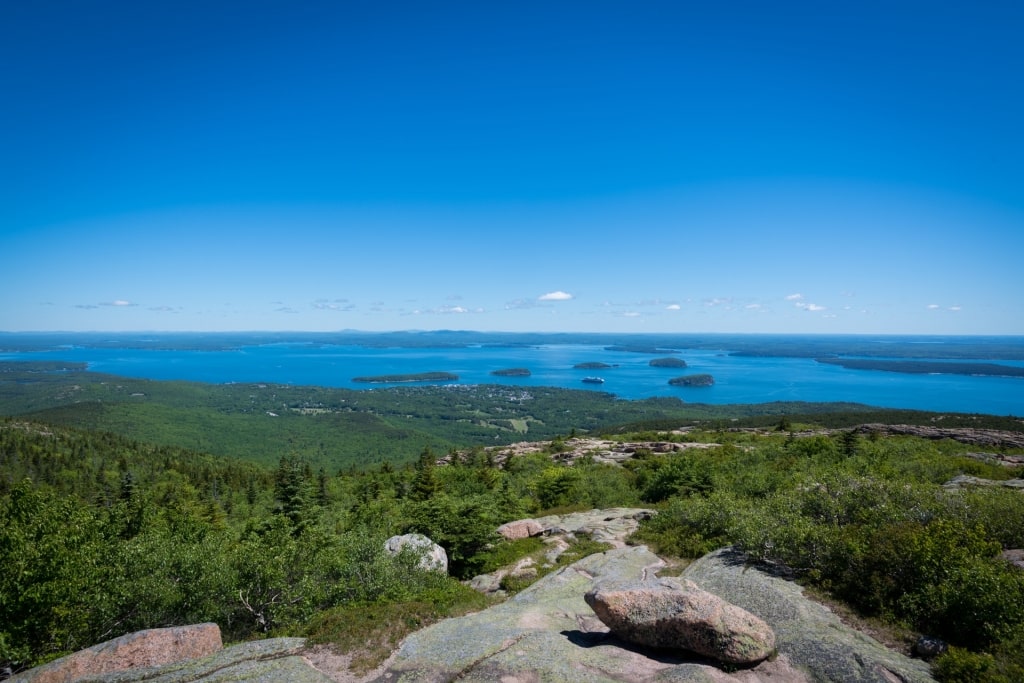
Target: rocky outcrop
x=261, y=661
x=152, y=648
x=668, y=614
x=607, y=451
x=604, y=451
x=1014, y=556
x=806, y=633
x=521, y=528
x=966, y=481
x=1004, y=459
x=547, y=632
x=612, y=525
x=432, y=556
x=993, y=438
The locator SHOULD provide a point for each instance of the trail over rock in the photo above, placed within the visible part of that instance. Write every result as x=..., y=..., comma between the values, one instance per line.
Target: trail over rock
x=548, y=633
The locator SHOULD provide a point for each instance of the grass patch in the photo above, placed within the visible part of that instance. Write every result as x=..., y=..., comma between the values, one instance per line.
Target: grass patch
x=504, y=554
x=579, y=548
x=370, y=632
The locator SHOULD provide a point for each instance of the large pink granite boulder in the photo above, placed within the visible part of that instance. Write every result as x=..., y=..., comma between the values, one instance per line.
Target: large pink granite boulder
x=155, y=647
x=685, y=618
x=521, y=528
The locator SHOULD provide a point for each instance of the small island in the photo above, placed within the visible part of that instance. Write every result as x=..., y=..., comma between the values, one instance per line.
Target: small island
x=592, y=366
x=701, y=380
x=635, y=348
x=668, y=363
x=411, y=377
x=511, y=372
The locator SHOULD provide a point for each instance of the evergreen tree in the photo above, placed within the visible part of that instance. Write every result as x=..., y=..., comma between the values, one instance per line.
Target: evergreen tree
x=292, y=490
x=130, y=508
x=848, y=441
x=424, y=483
x=323, y=497
x=250, y=491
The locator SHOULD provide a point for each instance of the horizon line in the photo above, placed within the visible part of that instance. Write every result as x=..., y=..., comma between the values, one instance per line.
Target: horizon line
x=515, y=332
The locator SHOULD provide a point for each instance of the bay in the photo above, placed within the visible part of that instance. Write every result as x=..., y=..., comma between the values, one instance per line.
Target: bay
x=738, y=379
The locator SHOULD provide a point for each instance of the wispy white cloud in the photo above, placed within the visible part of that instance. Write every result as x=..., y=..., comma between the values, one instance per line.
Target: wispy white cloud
x=521, y=304
x=555, y=296
x=335, y=305
x=641, y=303
x=809, y=306
x=955, y=308
x=718, y=301
x=933, y=307
x=752, y=307
x=795, y=297
x=448, y=310
x=673, y=307
x=117, y=303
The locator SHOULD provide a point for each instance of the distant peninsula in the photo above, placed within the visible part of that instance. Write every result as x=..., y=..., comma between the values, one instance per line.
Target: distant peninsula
x=412, y=377
x=511, y=372
x=926, y=367
x=700, y=380
x=635, y=348
x=668, y=363
x=592, y=366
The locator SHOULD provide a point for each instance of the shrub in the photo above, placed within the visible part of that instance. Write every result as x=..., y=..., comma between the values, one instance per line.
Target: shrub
x=963, y=666
x=463, y=527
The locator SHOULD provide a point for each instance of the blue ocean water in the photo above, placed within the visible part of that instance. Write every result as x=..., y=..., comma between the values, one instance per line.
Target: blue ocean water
x=738, y=379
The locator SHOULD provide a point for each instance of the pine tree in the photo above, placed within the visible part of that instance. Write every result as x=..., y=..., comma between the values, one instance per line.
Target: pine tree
x=848, y=440
x=291, y=488
x=424, y=483
x=323, y=497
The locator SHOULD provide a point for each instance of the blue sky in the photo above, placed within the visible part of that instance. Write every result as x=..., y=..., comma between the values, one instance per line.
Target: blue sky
x=562, y=166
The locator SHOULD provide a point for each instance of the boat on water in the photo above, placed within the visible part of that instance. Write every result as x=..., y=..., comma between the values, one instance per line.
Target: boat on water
x=594, y=380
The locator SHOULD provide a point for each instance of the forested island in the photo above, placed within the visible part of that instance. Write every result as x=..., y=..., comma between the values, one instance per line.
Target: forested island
x=698, y=380
x=592, y=365
x=926, y=367
x=638, y=348
x=512, y=372
x=667, y=363
x=411, y=377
